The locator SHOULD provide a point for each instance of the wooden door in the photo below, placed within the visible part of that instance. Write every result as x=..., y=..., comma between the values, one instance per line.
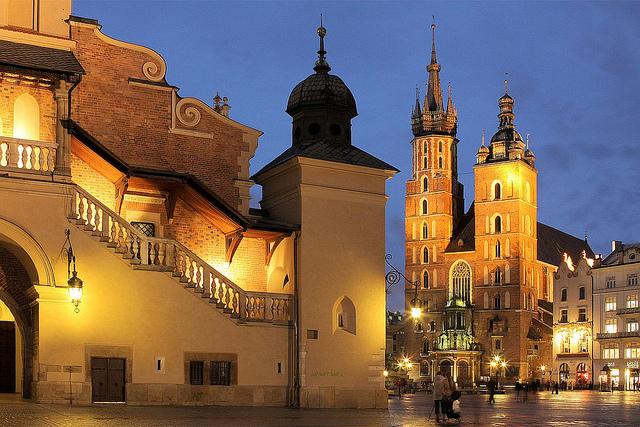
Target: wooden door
x=107, y=379
x=7, y=357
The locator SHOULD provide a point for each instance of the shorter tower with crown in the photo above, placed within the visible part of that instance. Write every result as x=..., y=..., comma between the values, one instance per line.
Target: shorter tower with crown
x=335, y=193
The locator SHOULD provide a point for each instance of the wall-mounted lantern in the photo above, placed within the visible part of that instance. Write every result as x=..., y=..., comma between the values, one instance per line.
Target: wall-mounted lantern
x=74, y=283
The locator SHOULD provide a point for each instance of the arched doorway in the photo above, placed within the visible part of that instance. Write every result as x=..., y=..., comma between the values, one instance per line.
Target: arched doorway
x=463, y=374
x=446, y=366
x=18, y=310
x=582, y=377
x=564, y=372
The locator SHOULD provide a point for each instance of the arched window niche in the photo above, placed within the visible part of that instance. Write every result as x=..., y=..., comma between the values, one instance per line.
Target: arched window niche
x=460, y=281
x=26, y=118
x=344, y=315
x=496, y=190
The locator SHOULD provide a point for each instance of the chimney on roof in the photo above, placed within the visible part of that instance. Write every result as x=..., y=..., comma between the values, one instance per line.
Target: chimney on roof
x=616, y=245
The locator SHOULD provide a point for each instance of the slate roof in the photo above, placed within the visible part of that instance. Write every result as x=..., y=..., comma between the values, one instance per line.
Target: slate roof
x=39, y=58
x=545, y=305
x=333, y=152
x=552, y=243
x=612, y=258
x=538, y=329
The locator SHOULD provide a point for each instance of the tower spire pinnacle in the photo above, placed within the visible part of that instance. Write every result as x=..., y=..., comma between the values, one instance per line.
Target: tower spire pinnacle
x=322, y=66
x=433, y=41
x=483, y=137
x=433, y=98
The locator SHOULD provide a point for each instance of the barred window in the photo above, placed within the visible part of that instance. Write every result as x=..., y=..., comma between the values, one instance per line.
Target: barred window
x=196, y=372
x=146, y=228
x=220, y=373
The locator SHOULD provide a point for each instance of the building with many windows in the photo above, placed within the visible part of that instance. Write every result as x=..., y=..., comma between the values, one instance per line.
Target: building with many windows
x=616, y=317
x=132, y=268
x=476, y=276
x=572, y=321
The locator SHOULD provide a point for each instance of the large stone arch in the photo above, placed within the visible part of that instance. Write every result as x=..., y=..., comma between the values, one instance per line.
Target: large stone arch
x=18, y=294
x=28, y=251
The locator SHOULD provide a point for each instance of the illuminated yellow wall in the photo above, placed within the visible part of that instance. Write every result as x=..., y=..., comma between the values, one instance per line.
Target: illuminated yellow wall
x=27, y=112
x=92, y=181
x=44, y=16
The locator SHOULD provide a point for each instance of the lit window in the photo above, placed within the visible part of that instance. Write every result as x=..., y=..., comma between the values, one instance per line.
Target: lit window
x=582, y=314
x=611, y=351
x=611, y=282
x=611, y=326
x=583, y=344
x=632, y=301
x=564, y=316
x=610, y=304
x=632, y=280
x=563, y=294
x=632, y=325
x=566, y=344
x=582, y=293
x=632, y=351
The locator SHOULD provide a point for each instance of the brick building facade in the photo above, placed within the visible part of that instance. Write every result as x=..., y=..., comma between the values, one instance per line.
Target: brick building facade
x=477, y=276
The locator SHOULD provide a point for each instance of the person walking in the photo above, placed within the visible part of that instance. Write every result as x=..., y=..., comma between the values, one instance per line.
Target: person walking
x=438, y=385
x=491, y=385
x=448, y=387
x=518, y=387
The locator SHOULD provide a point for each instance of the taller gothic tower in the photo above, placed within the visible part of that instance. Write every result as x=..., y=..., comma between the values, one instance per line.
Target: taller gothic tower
x=434, y=197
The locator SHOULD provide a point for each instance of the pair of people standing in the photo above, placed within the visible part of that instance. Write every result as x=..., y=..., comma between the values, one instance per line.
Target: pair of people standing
x=443, y=389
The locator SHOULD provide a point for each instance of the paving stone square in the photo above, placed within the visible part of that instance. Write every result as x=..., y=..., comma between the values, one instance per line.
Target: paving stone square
x=584, y=408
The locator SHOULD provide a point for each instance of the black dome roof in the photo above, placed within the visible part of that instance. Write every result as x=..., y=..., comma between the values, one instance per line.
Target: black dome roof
x=506, y=134
x=320, y=90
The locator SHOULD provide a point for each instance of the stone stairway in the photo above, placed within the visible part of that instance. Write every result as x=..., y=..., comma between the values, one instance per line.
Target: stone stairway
x=142, y=252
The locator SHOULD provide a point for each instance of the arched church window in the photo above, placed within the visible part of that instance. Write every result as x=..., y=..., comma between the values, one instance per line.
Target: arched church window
x=425, y=184
x=498, y=249
x=497, y=224
x=497, y=191
x=26, y=118
x=440, y=147
x=497, y=276
x=425, y=255
x=496, y=302
x=425, y=231
x=425, y=207
x=425, y=279
x=461, y=281
x=425, y=162
x=440, y=162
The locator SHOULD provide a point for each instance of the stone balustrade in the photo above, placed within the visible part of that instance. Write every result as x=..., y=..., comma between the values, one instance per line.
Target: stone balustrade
x=151, y=253
x=24, y=155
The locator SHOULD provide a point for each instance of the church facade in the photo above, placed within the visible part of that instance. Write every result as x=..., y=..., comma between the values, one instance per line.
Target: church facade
x=132, y=267
x=477, y=276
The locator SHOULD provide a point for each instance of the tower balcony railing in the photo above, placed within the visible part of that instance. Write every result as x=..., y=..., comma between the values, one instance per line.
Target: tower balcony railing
x=625, y=334
x=24, y=155
x=633, y=310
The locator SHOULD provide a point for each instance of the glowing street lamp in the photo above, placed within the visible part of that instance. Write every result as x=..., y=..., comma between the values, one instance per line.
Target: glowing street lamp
x=74, y=283
x=385, y=373
x=416, y=312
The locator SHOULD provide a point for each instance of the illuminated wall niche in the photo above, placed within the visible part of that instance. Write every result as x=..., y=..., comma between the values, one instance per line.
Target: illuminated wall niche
x=26, y=118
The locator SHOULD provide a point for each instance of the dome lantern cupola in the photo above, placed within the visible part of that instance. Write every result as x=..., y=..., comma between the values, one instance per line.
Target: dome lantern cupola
x=321, y=105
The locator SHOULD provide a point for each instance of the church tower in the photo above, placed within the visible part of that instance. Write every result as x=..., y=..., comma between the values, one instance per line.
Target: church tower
x=505, y=239
x=434, y=197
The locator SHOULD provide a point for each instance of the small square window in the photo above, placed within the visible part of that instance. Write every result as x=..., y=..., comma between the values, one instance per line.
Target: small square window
x=146, y=228
x=312, y=334
x=220, y=373
x=196, y=372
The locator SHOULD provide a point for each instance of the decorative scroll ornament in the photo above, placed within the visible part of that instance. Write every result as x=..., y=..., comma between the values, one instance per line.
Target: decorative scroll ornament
x=394, y=275
x=190, y=116
x=153, y=72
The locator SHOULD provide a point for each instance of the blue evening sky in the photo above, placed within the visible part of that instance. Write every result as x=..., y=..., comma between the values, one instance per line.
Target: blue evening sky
x=574, y=71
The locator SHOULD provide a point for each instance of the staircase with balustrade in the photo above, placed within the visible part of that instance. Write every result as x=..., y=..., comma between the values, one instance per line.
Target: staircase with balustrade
x=142, y=252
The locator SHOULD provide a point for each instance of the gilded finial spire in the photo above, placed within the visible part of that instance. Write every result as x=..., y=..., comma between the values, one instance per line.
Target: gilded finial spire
x=322, y=66
x=506, y=83
x=527, y=143
x=483, y=137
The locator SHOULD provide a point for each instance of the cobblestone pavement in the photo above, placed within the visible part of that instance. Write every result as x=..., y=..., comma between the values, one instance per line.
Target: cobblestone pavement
x=577, y=409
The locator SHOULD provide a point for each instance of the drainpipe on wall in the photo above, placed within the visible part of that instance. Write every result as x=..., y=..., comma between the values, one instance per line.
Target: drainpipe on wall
x=294, y=400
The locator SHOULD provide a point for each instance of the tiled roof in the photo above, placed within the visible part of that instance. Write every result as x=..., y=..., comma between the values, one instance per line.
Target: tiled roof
x=612, y=258
x=39, y=58
x=545, y=305
x=321, y=89
x=333, y=152
x=465, y=238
